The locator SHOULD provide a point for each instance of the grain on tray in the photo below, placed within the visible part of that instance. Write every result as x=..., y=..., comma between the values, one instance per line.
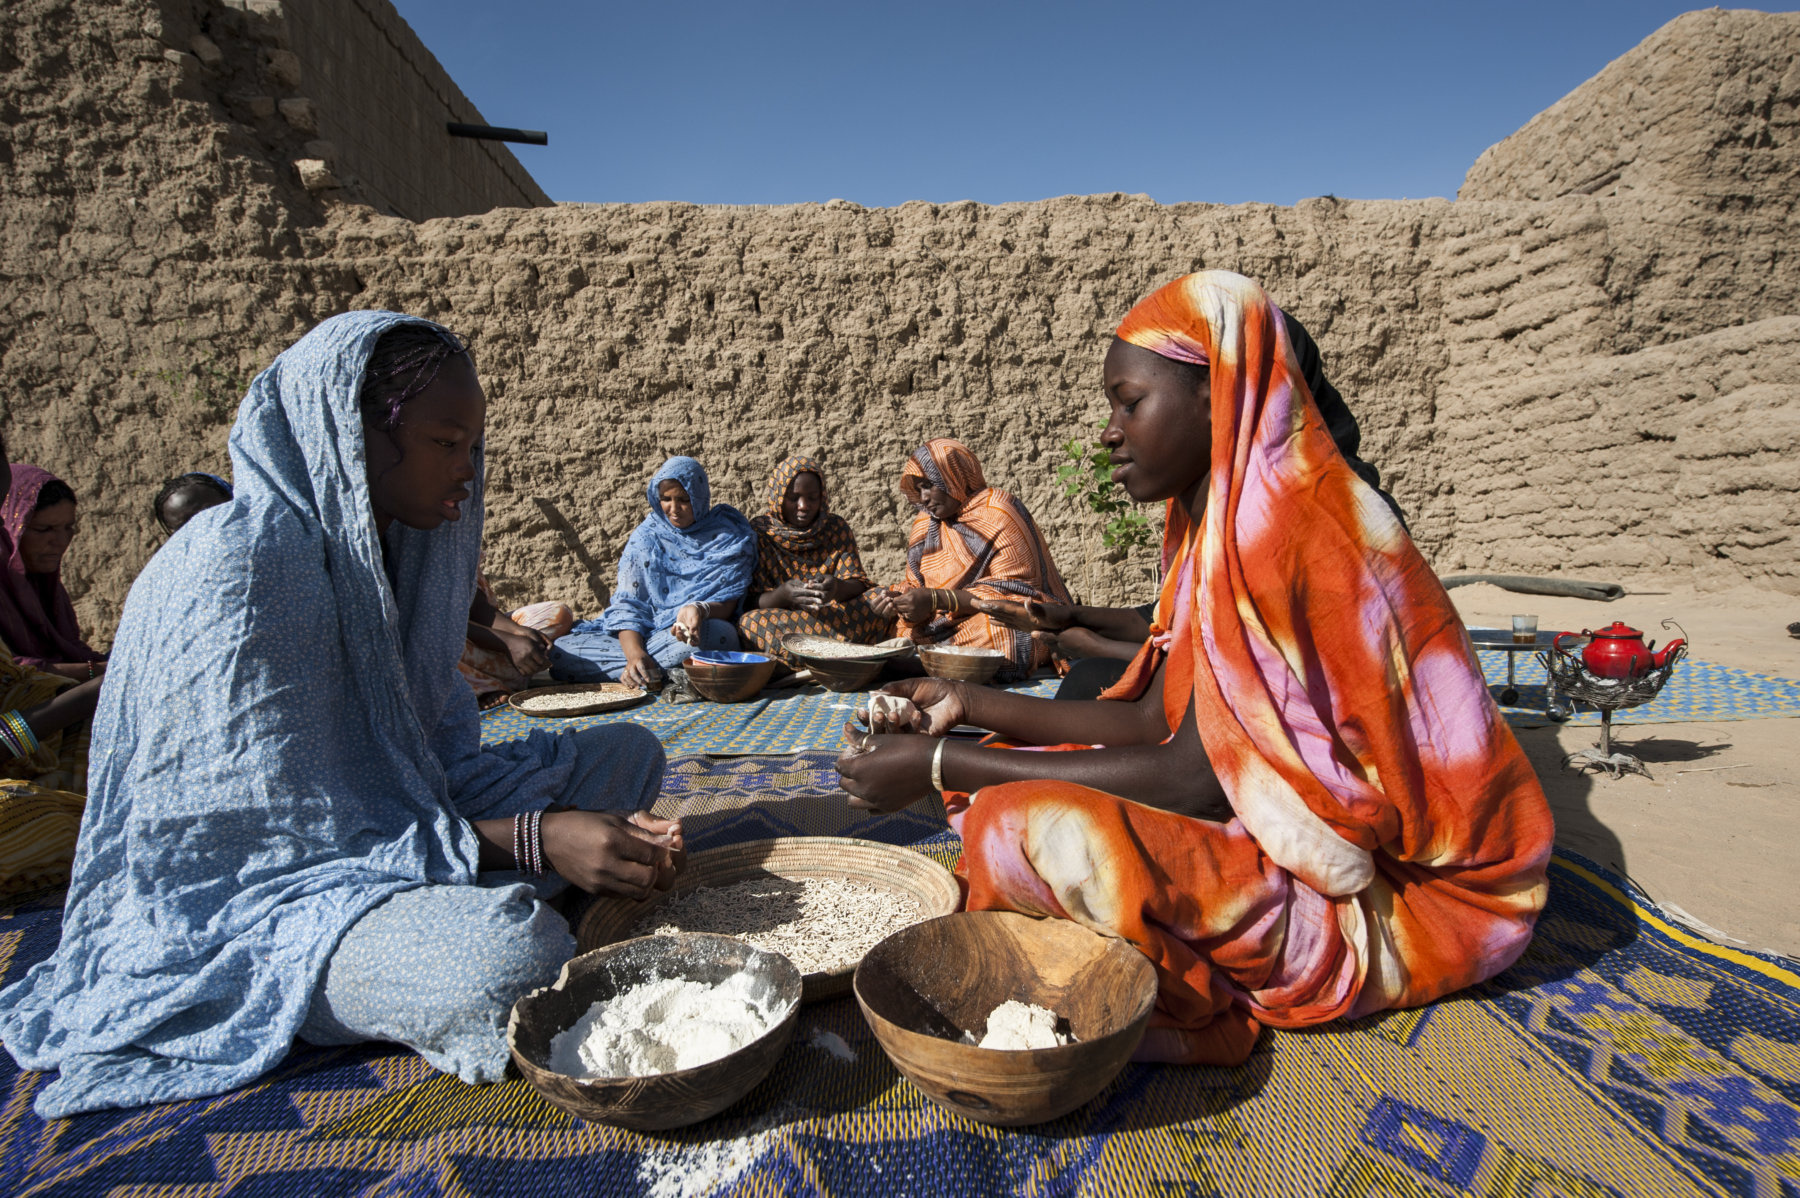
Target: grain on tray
x=836, y=649
x=570, y=700
x=966, y=651
x=820, y=924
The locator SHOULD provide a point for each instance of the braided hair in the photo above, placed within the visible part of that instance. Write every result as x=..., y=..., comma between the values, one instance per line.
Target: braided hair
x=405, y=361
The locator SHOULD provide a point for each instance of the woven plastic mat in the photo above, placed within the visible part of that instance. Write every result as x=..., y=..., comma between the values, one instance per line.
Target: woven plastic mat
x=1621, y=1056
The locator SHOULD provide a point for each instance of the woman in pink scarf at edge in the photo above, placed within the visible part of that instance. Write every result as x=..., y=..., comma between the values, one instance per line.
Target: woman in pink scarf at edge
x=37, y=621
x=1307, y=807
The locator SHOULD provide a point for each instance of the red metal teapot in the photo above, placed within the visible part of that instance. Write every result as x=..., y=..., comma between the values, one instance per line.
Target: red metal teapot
x=1619, y=651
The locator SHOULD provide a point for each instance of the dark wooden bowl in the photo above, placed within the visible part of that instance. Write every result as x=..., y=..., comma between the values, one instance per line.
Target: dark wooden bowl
x=798, y=857
x=936, y=980
x=663, y=1100
x=730, y=682
x=978, y=668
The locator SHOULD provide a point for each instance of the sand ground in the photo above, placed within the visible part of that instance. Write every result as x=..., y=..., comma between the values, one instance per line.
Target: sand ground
x=1715, y=832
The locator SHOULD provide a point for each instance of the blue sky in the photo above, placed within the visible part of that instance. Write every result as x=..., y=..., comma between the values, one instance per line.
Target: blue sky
x=882, y=103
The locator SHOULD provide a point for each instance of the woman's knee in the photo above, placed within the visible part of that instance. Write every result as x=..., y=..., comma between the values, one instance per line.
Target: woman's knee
x=569, y=666
x=719, y=634
x=620, y=768
x=508, y=943
x=437, y=968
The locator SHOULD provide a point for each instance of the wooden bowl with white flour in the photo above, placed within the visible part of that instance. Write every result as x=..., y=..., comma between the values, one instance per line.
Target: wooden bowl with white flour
x=656, y=1033
x=820, y=901
x=934, y=992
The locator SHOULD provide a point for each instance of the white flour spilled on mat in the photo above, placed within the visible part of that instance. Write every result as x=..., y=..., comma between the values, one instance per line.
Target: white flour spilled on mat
x=661, y=1026
x=820, y=924
x=702, y=1170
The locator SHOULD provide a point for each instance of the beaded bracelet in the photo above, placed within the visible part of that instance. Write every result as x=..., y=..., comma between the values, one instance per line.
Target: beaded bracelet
x=528, y=842
x=17, y=735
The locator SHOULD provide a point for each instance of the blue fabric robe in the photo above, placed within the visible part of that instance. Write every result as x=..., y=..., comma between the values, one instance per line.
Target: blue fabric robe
x=282, y=742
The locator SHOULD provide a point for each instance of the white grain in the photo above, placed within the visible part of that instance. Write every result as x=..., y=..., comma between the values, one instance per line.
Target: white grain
x=820, y=924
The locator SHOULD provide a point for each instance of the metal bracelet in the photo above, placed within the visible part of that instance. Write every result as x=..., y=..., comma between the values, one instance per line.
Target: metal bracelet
x=937, y=766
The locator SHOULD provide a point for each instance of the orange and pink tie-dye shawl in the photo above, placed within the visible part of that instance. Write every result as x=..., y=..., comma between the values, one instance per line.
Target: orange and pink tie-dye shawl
x=1390, y=839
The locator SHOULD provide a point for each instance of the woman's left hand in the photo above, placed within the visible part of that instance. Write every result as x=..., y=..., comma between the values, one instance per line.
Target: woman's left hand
x=887, y=773
x=687, y=624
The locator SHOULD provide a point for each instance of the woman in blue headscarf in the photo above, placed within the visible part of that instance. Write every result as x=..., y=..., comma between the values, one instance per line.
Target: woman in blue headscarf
x=682, y=576
x=292, y=828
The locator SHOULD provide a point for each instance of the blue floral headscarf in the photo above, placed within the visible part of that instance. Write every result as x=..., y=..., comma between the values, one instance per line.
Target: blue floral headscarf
x=282, y=743
x=665, y=568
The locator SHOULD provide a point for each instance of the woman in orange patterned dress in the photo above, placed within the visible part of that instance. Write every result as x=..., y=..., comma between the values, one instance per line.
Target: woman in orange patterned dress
x=969, y=542
x=1300, y=803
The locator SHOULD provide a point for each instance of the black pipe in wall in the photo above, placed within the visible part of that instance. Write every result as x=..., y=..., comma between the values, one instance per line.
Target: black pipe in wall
x=530, y=137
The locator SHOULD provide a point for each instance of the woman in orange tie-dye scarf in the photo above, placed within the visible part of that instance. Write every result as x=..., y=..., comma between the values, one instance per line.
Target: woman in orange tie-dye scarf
x=969, y=542
x=1307, y=807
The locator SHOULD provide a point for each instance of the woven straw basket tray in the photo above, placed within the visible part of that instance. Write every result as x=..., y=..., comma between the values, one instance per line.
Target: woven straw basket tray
x=607, y=696
x=797, y=858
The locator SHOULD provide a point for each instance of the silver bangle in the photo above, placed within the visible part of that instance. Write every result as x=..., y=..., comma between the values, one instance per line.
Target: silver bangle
x=937, y=766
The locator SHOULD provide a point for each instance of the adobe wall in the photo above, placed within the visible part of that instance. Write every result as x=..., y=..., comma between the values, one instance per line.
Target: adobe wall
x=1550, y=380
x=381, y=101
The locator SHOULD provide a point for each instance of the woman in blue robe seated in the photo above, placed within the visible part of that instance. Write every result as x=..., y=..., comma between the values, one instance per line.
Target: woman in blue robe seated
x=293, y=830
x=682, y=579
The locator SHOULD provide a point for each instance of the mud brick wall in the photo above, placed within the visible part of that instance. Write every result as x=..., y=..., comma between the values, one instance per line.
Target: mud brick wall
x=1589, y=361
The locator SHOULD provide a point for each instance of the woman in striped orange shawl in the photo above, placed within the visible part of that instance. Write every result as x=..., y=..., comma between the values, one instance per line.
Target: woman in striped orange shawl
x=1308, y=808
x=970, y=541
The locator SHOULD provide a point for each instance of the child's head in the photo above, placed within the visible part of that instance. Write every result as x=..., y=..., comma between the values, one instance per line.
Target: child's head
x=186, y=496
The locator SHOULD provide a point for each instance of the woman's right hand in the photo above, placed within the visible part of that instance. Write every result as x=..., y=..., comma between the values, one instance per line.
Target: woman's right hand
x=882, y=600
x=610, y=854
x=80, y=671
x=799, y=594
x=811, y=594
x=939, y=701
x=641, y=671
x=528, y=653
x=914, y=606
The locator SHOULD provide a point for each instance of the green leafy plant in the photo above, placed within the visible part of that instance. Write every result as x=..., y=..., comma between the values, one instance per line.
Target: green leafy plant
x=209, y=384
x=1087, y=475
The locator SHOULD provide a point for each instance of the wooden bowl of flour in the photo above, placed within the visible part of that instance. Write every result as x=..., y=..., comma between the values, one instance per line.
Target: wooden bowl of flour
x=657, y=1101
x=927, y=993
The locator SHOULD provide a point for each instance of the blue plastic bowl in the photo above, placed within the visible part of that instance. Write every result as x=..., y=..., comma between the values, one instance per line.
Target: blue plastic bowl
x=718, y=657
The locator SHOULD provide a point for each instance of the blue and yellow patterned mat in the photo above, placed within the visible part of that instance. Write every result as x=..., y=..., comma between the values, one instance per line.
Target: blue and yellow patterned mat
x=776, y=721
x=793, y=721
x=1699, y=692
x=1621, y=1056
